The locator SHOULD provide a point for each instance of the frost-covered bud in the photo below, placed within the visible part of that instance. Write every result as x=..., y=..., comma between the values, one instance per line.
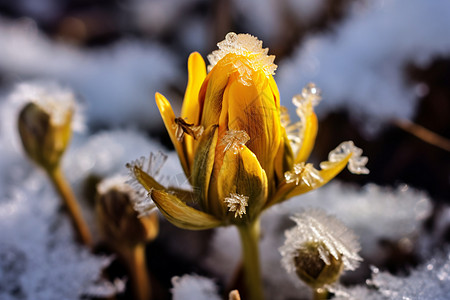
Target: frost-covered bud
x=310, y=267
x=119, y=222
x=45, y=132
x=319, y=248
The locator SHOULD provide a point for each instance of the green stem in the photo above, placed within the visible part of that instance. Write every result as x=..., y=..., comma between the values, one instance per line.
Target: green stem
x=140, y=279
x=62, y=187
x=250, y=255
x=320, y=294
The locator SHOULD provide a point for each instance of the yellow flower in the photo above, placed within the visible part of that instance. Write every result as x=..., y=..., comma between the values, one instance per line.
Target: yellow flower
x=235, y=142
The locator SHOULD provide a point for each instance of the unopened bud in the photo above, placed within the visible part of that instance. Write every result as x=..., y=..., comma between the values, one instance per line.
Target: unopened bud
x=319, y=248
x=119, y=222
x=312, y=269
x=44, y=138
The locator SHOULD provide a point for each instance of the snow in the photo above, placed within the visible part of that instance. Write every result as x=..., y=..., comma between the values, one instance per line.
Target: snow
x=40, y=258
x=430, y=280
x=194, y=287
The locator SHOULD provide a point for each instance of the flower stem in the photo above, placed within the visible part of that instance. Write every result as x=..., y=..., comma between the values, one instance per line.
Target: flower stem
x=62, y=187
x=137, y=266
x=250, y=254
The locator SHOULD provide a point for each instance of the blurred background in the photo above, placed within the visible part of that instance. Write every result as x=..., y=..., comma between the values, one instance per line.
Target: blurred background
x=383, y=67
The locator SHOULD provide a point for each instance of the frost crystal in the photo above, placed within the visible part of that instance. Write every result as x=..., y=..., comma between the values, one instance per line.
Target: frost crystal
x=310, y=94
x=305, y=102
x=332, y=236
x=304, y=173
x=194, y=287
x=182, y=127
x=234, y=139
x=356, y=163
x=250, y=51
x=237, y=203
x=293, y=130
x=151, y=166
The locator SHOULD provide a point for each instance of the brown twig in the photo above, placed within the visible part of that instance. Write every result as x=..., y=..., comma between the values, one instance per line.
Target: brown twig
x=424, y=134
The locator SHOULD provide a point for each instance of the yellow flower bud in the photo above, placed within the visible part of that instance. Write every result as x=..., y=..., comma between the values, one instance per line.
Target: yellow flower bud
x=236, y=144
x=119, y=222
x=44, y=136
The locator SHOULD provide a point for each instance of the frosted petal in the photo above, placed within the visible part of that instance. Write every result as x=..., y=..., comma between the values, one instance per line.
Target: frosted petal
x=305, y=173
x=305, y=103
x=250, y=51
x=356, y=163
x=143, y=204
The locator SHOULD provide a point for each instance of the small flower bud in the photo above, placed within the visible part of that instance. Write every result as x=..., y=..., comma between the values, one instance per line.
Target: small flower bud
x=119, y=222
x=310, y=267
x=319, y=248
x=44, y=138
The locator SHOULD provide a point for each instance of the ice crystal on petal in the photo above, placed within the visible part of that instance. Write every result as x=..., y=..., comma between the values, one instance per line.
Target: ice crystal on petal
x=305, y=173
x=237, y=203
x=310, y=94
x=356, y=163
x=305, y=103
x=151, y=166
x=293, y=130
x=182, y=127
x=332, y=236
x=235, y=140
x=250, y=51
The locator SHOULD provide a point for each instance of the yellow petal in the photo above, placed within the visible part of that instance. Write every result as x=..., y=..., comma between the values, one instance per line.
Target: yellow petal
x=203, y=164
x=241, y=174
x=275, y=92
x=252, y=108
x=191, y=108
x=169, y=121
x=309, y=135
x=196, y=76
x=211, y=94
x=284, y=160
x=143, y=178
x=181, y=215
